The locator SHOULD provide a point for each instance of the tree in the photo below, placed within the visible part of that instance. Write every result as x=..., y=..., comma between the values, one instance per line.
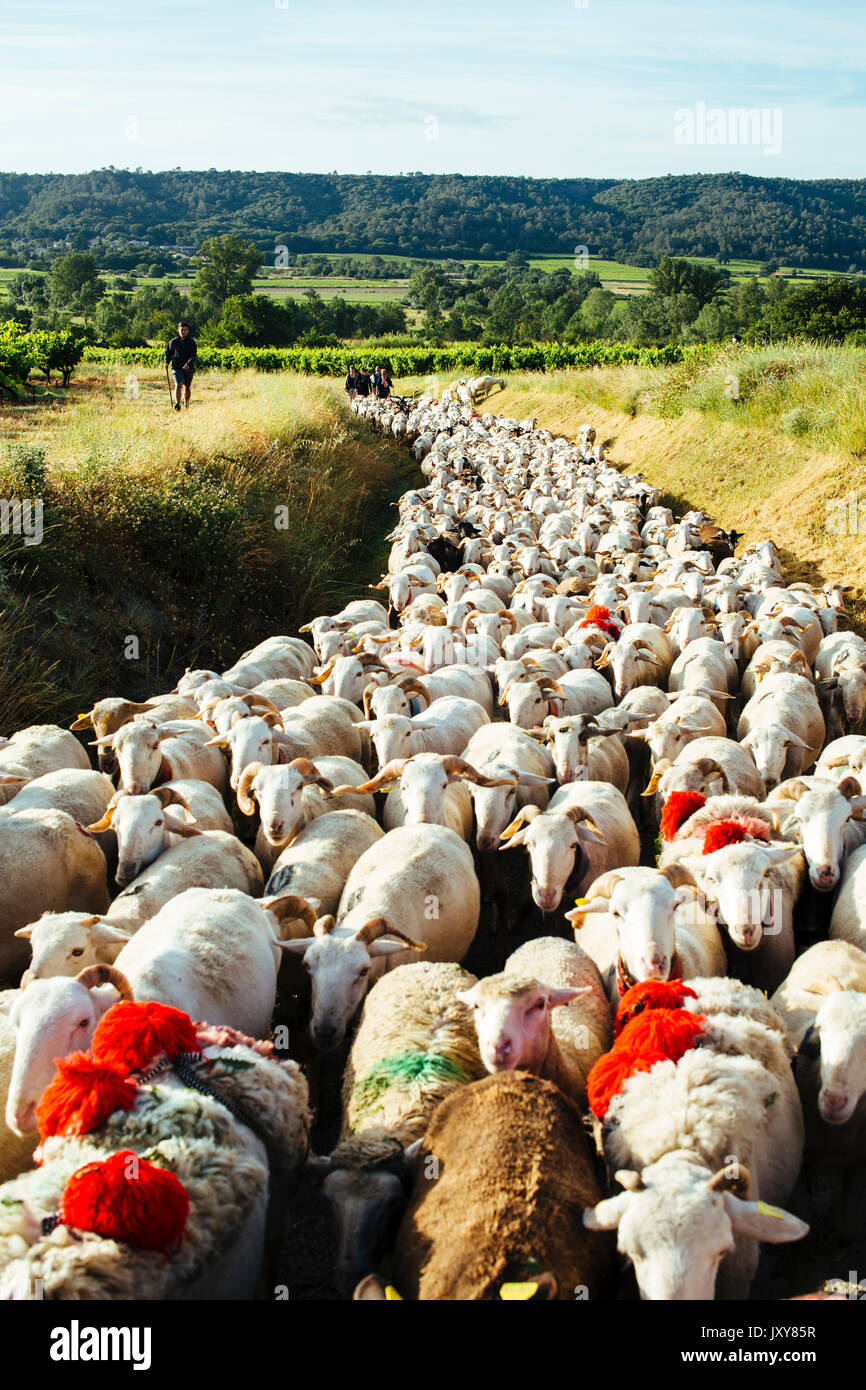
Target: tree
x=254, y=320
x=226, y=267
x=830, y=309
x=674, y=276
x=70, y=277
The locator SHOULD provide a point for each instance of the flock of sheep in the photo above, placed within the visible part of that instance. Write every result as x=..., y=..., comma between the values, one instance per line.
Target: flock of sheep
x=564, y=670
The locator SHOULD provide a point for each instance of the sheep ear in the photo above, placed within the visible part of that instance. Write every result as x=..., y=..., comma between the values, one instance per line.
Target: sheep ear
x=606, y=1216
x=565, y=995
x=763, y=1222
x=370, y=1289
x=298, y=947
x=24, y=933
x=105, y=933
x=385, y=948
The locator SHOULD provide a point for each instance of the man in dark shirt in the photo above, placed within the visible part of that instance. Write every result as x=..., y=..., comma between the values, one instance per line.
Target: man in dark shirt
x=364, y=382
x=182, y=354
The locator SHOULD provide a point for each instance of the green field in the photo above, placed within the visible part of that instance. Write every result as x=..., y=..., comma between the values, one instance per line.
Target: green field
x=615, y=275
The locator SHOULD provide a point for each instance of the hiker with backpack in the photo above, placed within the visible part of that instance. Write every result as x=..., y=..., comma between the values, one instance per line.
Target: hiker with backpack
x=182, y=353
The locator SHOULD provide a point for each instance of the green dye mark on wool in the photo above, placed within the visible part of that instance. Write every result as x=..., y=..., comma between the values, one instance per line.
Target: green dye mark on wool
x=405, y=1069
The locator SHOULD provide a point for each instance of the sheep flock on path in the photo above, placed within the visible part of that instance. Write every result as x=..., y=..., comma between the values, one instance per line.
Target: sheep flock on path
x=210, y=897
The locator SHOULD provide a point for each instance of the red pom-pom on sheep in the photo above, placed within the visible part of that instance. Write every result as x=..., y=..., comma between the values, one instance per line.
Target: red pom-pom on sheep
x=127, y=1198
x=82, y=1095
x=656, y=1035
x=650, y=994
x=723, y=833
x=677, y=809
x=599, y=616
x=132, y=1035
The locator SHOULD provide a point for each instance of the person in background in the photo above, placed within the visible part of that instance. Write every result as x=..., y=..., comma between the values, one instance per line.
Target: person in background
x=382, y=383
x=364, y=382
x=351, y=386
x=182, y=353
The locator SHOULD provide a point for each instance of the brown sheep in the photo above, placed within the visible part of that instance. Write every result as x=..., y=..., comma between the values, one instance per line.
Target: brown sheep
x=504, y=1175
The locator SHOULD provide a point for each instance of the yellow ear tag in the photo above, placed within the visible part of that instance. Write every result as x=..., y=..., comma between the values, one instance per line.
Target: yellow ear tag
x=766, y=1210
x=391, y=1294
x=83, y=715
x=579, y=902
x=516, y=1293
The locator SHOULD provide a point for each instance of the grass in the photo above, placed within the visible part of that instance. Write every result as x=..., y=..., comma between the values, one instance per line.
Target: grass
x=776, y=459
x=198, y=534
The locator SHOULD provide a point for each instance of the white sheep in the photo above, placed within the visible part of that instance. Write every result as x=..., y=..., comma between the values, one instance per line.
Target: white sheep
x=590, y=816
x=546, y=1013
x=48, y=863
x=415, y=889
x=647, y=924
x=701, y=1148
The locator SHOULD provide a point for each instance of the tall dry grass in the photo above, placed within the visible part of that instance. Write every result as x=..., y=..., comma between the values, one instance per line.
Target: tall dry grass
x=195, y=534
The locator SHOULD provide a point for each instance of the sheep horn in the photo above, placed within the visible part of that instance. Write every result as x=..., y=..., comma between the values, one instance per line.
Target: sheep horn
x=380, y=926
x=791, y=790
x=653, y=783
x=677, y=875
x=455, y=766
x=509, y=617
x=105, y=822
x=290, y=905
x=94, y=975
x=323, y=672
x=390, y=773
x=168, y=796
x=245, y=800
x=722, y=1181
x=707, y=765
x=310, y=774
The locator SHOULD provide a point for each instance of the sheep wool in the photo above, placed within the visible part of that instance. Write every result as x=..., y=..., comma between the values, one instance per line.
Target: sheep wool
x=677, y=809
x=129, y=1199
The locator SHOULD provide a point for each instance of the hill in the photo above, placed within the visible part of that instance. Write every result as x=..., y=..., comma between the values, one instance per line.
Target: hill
x=818, y=223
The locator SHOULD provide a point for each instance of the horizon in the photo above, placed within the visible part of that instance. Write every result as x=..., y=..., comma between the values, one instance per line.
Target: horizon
x=421, y=173
x=636, y=91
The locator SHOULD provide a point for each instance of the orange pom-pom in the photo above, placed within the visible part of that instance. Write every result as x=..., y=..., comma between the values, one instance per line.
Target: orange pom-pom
x=650, y=994
x=599, y=616
x=127, y=1198
x=656, y=1035
x=131, y=1035
x=82, y=1095
x=677, y=809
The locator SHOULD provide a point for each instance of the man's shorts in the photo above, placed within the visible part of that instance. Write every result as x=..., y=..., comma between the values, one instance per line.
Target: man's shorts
x=183, y=375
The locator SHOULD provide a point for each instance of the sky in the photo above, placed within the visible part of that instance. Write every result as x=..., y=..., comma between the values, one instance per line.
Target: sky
x=545, y=88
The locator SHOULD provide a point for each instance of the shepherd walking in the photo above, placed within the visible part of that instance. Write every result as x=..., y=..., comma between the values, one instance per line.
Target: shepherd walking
x=182, y=353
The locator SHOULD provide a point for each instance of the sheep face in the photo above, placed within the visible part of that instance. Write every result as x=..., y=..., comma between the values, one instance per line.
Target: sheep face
x=822, y=819
x=278, y=792
x=852, y=684
x=643, y=904
x=392, y=738
x=552, y=842
x=495, y=808
x=841, y=1026
x=738, y=882
x=367, y=1204
x=340, y=972
x=770, y=746
x=142, y=826
x=51, y=1019
x=676, y=1228
x=423, y=786
x=512, y=1020
x=65, y=942
x=136, y=747
x=249, y=741
x=527, y=706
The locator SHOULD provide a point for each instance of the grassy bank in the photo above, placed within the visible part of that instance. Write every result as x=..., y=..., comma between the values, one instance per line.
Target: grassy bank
x=765, y=439
x=172, y=540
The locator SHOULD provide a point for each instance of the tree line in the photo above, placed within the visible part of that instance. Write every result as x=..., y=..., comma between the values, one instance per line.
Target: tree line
x=688, y=302
x=818, y=222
